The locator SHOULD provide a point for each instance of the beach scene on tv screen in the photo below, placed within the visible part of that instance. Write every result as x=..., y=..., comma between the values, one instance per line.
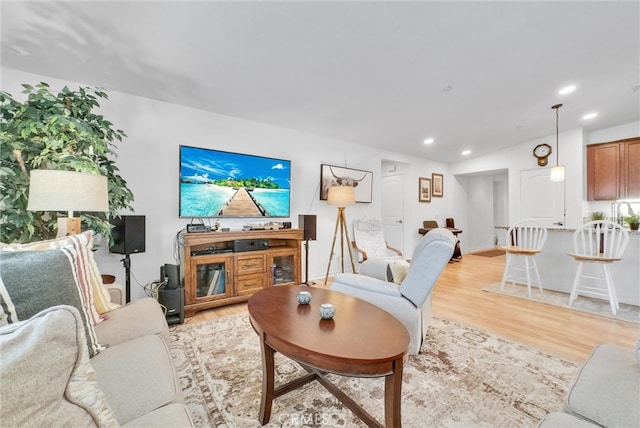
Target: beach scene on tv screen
x=224, y=184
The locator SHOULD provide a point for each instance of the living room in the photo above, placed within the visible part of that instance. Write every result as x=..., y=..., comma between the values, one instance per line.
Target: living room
x=149, y=157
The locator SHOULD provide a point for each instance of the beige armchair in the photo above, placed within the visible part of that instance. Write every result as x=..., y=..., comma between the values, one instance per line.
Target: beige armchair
x=369, y=242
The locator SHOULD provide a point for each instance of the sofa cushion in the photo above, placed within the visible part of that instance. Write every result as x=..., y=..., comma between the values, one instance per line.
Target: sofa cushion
x=31, y=281
x=607, y=389
x=138, y=376
x=136, y=319
x=82, y=245
x=45, y=375
x=399, y=269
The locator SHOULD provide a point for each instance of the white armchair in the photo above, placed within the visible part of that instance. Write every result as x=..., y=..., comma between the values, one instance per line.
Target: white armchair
x=410, y=302
x=369, y=242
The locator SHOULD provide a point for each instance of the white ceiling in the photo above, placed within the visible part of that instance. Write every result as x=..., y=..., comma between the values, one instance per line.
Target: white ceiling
x=473, y=75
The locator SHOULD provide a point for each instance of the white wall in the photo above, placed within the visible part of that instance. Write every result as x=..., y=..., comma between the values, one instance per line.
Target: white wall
x=473, y=178
x=148, y=161
x=627, y=130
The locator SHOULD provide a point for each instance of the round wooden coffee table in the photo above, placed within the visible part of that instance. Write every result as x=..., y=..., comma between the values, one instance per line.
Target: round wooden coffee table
x=361, y=340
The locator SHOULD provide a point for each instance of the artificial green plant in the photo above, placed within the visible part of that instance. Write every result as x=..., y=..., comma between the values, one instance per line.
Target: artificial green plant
x=55, y=131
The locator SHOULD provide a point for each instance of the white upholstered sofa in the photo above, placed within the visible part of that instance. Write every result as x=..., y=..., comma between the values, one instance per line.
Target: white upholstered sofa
x=605, y=393
x=57, y=368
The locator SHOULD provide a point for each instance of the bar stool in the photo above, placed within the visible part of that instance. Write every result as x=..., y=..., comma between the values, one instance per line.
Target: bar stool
x=525, y=239
x=599, y=242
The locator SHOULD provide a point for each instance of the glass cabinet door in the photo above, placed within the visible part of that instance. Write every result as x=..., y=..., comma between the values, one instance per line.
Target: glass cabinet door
x=211, y=279
x=283, y=269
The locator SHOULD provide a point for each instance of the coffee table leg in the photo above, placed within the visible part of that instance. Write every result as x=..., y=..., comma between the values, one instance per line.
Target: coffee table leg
x=393, y=396
x=267, y=381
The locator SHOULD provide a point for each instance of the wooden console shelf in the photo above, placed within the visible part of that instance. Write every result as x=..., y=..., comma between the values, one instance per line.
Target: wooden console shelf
x=215, y=275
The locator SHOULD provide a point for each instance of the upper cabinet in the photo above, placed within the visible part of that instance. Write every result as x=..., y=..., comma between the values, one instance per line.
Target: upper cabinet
x=613, y=170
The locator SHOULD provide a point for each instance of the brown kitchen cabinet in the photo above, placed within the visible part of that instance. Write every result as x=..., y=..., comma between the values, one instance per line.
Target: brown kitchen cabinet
x=217, y=271
x=613, y=170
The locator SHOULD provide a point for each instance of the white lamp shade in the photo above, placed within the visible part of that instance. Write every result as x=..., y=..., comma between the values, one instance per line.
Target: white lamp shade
x=53, y=190
x=341, y=195
x=557, y=173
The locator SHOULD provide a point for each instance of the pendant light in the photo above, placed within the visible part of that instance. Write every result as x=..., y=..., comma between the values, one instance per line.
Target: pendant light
x=557, y=172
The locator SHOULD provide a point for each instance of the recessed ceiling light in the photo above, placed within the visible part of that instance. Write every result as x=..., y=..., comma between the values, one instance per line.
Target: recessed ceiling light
x=589, y=116
x=466, y=152
x=428, y=141
x=567, y=90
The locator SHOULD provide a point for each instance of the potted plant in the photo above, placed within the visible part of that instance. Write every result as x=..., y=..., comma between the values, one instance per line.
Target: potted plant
x=598, y=215
x=633, y=220
x=55, y=131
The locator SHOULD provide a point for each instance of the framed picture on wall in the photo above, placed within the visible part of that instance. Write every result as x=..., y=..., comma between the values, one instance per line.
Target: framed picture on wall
x=331, y=175
x=424, y=189
x=438, y=184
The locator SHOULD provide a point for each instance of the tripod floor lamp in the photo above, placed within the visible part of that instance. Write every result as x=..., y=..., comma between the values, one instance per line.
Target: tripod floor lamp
x=341, y=196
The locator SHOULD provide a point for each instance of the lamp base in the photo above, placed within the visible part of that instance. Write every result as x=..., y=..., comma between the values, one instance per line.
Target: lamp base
x=68, y=226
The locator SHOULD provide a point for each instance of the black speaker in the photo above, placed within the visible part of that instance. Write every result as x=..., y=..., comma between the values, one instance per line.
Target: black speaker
x=173, y=300
x=171, y=275
x=307, y=222
x=128, y=234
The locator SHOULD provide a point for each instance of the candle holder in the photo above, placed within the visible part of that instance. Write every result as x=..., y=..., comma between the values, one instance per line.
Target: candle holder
x=304, y=297
x=327, y=311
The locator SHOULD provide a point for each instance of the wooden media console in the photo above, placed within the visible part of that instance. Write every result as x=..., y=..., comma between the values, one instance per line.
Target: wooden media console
x=221, y=268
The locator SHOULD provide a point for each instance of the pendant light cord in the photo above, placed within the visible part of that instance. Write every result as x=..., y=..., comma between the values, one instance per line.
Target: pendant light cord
x=556, y=108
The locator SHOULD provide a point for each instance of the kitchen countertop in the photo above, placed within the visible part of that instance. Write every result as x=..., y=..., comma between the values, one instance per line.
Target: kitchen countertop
x=568, y=229
x=557, y=268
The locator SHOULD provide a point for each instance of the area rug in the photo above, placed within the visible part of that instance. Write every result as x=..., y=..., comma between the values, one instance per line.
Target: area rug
x=489, y=253
x=590, y=305
x=463, y=377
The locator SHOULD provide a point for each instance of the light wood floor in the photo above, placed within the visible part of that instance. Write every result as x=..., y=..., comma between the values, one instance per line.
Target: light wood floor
x=458, y=296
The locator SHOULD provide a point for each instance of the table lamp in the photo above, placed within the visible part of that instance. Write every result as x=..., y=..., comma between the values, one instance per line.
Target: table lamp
x=56, y=190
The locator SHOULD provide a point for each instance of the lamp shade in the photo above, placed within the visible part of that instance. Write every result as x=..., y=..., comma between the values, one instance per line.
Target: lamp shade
x=341, y=195
x=54, y=190
x=557, y=173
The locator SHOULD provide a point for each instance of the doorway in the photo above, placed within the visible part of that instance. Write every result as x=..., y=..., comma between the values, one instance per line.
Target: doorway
x=392, y=210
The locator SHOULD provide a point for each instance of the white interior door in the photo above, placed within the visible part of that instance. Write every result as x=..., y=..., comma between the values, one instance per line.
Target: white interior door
x=541, y=198
x=393, y=210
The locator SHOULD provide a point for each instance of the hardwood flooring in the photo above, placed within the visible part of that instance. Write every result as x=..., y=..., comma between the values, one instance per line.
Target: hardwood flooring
x=458, y=296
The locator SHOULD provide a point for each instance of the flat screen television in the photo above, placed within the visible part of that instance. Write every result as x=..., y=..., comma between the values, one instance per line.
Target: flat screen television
x=215, y=183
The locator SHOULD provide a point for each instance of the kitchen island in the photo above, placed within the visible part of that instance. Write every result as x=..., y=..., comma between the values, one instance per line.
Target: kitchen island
x=557, y=269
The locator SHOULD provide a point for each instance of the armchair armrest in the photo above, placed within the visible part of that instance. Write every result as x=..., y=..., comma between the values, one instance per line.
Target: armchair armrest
x=361, y=253
x=117, y=293
x=351, y=283
x=395, y=250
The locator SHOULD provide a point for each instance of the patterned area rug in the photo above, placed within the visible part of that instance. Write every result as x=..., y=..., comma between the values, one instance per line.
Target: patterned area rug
x=629, y=313
x=463, y=377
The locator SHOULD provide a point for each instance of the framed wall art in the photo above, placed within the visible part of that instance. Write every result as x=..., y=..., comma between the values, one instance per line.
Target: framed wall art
x=437, y=180
x=424, y=189
x=331, y=175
